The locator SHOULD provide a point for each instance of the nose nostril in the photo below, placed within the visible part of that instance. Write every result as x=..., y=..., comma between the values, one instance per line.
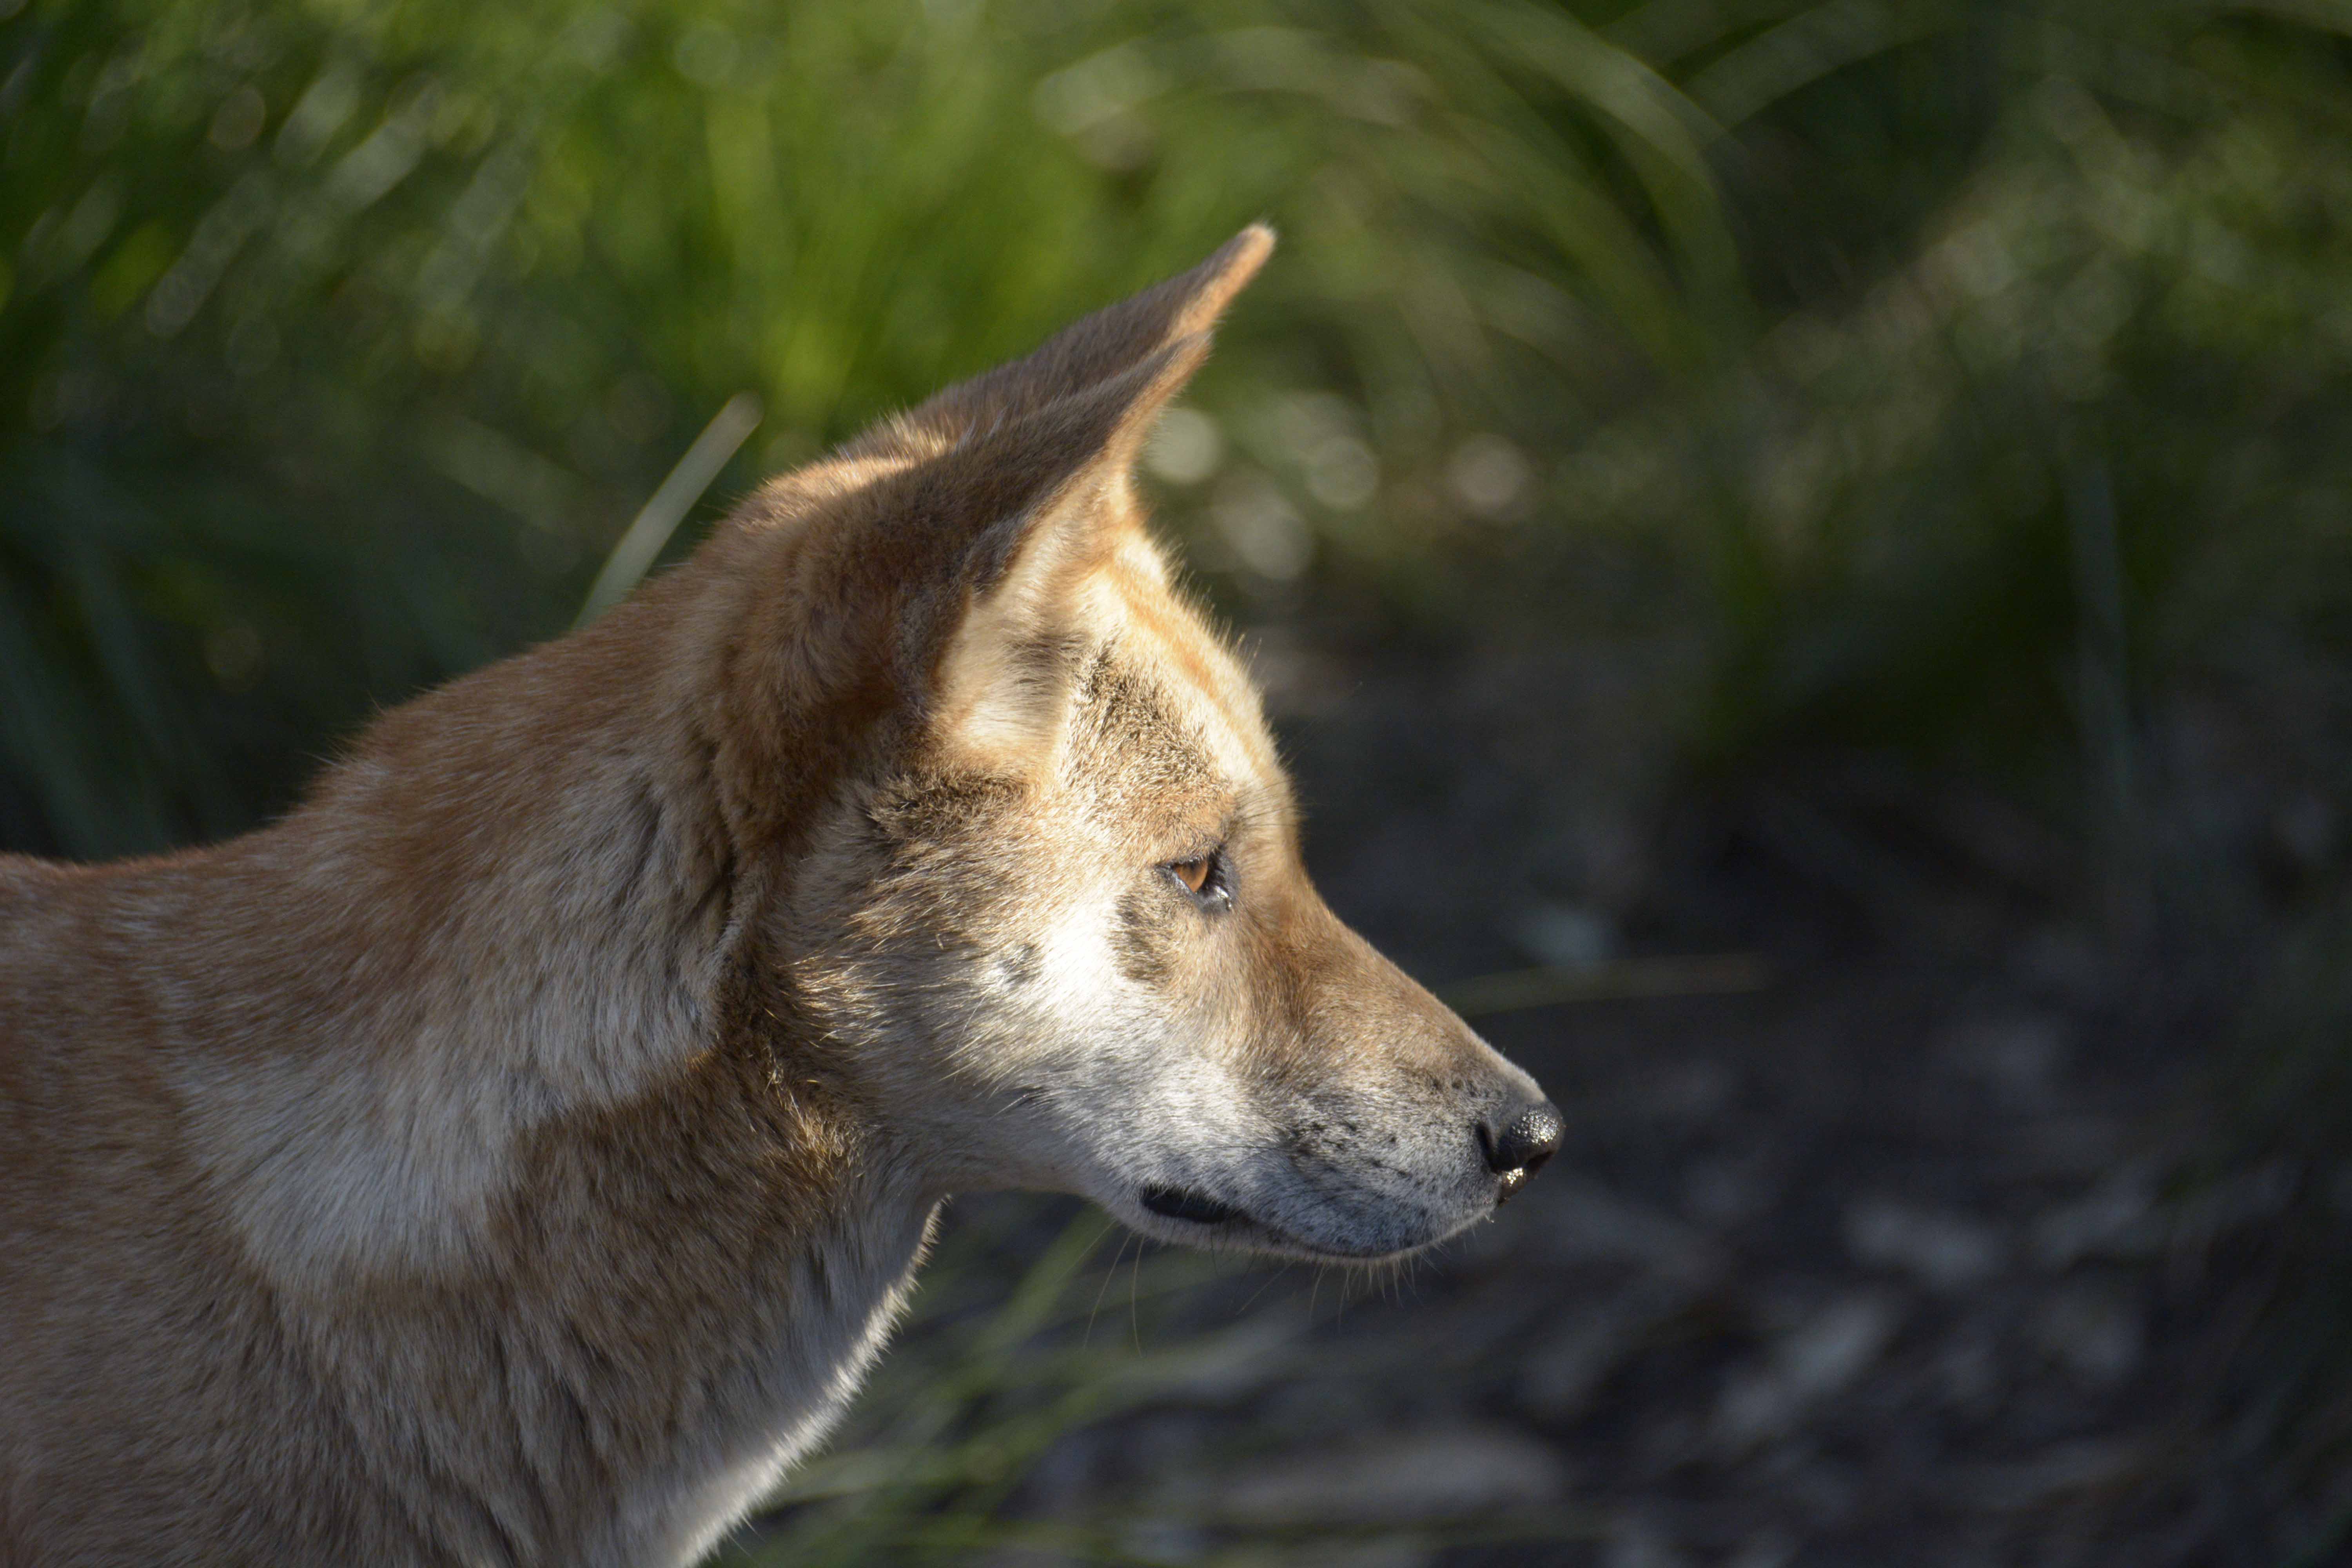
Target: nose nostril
x=1533, y=1137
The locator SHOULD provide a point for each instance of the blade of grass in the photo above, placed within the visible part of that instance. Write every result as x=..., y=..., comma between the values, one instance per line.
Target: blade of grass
x=1708, y=974
x=668, y=507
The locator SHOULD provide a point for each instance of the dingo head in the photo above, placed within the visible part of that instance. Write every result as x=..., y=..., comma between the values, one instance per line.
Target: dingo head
x=1050, y=922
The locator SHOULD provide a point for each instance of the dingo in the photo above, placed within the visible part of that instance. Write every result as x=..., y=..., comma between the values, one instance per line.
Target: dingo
x=518, y=1154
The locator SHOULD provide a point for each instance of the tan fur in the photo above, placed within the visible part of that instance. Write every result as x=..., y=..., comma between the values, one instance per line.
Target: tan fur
x=517, y=1154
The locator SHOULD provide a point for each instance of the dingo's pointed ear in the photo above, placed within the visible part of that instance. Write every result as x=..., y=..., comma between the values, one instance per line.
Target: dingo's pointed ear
x=1052, y=498
x=1112, y=341
x=948, y=583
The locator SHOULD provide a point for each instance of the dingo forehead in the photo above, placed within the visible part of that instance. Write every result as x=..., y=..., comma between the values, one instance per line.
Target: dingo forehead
x=1099, y=665
x=1149, y=711
x=1167, y=644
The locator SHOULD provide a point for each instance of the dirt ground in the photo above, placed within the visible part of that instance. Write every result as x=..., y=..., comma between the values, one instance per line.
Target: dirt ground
x=1875, y=1260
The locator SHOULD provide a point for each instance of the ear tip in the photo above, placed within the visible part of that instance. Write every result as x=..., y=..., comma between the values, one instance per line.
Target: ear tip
x=1238, y=259
x=1214, y=283
x=1253, y=244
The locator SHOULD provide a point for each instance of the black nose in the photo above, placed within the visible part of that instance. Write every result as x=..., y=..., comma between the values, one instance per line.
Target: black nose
x=1525, y=1142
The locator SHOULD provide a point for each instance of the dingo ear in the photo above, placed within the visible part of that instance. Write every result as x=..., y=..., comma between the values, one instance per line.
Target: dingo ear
x=1059, y=483
x=944, y=578
x=1110, y=341
x=1021, y=489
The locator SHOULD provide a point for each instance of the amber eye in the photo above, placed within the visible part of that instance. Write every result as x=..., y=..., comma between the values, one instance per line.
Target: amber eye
x=1207, y=878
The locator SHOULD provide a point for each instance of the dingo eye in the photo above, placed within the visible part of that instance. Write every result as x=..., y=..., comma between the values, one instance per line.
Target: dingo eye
x=1204, y=876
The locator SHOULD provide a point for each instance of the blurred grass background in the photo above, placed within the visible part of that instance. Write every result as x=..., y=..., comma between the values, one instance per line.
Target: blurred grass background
x=1963, y=384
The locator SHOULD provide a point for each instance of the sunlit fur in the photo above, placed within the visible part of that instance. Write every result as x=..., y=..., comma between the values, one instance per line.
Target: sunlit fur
x=518, y=1154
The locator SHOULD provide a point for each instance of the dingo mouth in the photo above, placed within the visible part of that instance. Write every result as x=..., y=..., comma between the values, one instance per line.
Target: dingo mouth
x=1183, y=1203
x=1238, y=1226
